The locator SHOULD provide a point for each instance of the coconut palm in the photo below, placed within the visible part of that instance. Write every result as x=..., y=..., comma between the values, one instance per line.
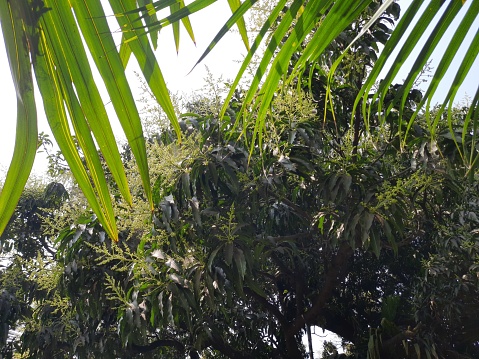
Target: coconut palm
x=44, y=38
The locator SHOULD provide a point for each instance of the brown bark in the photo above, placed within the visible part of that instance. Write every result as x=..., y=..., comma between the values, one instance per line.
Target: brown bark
x=334, y=276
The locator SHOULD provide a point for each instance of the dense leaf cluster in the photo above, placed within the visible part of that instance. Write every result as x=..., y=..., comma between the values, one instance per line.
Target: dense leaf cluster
x=244, y=251
x=330, y=220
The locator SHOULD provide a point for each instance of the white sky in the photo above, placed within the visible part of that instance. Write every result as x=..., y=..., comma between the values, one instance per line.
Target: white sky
x=222, y=61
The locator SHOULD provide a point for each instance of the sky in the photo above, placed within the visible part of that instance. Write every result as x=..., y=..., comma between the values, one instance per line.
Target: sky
x=470, y=85
x=223, y=61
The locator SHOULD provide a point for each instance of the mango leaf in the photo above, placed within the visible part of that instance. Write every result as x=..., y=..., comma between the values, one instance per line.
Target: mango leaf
x=228, y=252
x=240, y=261
x=212, y=257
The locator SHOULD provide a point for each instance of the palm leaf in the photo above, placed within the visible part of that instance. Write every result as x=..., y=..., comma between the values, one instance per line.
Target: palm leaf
x=257, y=42
x=195, y=6
x=50, y=86
x=472, y=115
x=448, y=58
x=234, y=5
x=139, y=45
x=17, y=41
x=339, y=16
x=176, y=25
x=187, y=24
x=65, y=79
x=410, y=44
x=466, y=65
x=234, y=18
x=72, y=63
x=416, y=30
x=149, y=16
x=275, y=42
x=96, y=32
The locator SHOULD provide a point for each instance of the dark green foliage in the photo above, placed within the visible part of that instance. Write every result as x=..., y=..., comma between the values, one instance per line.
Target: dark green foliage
x=241, y=253
x=368, y=232
x=24, y=233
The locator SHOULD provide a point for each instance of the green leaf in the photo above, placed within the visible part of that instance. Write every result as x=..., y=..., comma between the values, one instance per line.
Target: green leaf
x=269, y=53
x=259, y=38
x=472, y=115
x=149, y=9
x=187, y=24
x=52, y=94
x=92, y=21
x=256, y=288
x=418, y=350
x=390, y=236
x=339, y=16
x=197, y=281
x=366, y=222
x=149, y=18
x=237, y=16
x=234, y=5
x=72, y=64
x=228, y=252
x=195, y=6
x=399, y=31
x=437, y=34
x=125, y=52
x=176, y=26
x=240, y=261
x=17, y=42
x=212, y=257
x=375, y=242
x=147, y=61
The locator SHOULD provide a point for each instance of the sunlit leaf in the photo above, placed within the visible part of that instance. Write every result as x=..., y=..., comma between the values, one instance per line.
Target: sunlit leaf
x=96, y=32
x=234, y=5
x=16, y=43
x=145, y=56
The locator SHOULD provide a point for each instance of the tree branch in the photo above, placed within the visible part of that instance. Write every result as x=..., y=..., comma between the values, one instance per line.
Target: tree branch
x=158, y=344
x=391, y=345
x=219, y=344
x=334, y=276
x=267, y=305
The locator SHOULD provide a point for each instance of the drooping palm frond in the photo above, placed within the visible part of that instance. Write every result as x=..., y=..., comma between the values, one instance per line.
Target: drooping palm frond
x=48, y=37
x=322, y=21
x=50, y=33
x=451, y=11
x=17, y=44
